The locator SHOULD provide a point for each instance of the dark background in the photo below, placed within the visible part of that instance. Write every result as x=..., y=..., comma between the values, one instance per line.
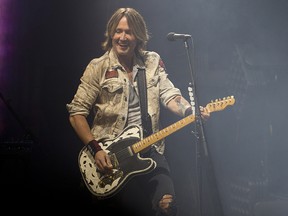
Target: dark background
x=240, y=49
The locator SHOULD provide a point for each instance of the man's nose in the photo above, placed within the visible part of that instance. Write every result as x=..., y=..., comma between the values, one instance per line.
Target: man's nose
x=123, y=36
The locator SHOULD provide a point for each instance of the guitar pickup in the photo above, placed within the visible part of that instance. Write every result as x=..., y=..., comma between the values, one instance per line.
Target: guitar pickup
x=114, y=161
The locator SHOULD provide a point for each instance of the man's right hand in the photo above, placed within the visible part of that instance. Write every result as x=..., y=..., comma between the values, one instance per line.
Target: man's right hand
x=103, y=162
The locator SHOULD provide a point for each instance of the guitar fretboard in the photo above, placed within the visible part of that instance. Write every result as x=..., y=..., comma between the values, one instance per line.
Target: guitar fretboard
x=141, y=145
x=212, y=107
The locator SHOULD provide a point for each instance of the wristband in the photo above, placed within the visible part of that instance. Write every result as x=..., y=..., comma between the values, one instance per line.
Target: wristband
x=93, y=147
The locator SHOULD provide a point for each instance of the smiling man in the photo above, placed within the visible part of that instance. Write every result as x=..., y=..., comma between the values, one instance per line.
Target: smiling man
x=109, y=88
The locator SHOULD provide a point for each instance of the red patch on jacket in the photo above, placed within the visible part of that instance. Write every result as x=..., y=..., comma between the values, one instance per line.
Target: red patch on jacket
x=111, y=74
x=161, y=63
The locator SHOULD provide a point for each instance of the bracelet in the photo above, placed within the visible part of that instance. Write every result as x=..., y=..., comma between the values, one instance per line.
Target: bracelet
x=188, y=112
x=93, y=147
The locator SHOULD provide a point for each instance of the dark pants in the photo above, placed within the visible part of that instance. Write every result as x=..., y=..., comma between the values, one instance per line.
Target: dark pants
x=141, y=194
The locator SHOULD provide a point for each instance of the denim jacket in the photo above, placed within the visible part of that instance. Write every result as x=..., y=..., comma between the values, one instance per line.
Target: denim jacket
x=104, y=88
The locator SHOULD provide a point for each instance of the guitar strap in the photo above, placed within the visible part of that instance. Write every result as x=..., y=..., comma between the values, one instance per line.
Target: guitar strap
x=142, y=88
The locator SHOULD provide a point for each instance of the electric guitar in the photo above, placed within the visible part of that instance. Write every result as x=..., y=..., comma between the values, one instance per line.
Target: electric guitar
x=124, y=153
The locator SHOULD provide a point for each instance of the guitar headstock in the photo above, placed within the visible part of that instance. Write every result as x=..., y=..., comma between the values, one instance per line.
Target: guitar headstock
x=220, y=104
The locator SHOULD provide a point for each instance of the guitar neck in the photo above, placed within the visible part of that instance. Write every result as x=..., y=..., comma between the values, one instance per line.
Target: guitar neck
x=217, y=105
x=146, y=142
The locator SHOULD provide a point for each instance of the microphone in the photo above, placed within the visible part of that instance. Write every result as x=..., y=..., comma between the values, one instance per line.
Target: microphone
x=172, y=36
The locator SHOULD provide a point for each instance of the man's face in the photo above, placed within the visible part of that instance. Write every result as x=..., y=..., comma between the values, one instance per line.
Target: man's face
x=124, y=41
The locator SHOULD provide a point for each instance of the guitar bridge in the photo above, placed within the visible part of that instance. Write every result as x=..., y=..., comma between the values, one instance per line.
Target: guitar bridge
x=108, y=179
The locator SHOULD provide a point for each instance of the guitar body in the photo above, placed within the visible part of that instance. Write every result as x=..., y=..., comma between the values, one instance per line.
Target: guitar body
x=126, y=164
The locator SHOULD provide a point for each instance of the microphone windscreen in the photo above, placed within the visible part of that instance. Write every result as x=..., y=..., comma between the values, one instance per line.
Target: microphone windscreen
x=170, y=36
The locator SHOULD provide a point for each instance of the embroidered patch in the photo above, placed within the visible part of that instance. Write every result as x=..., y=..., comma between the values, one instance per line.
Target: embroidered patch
x=161, y=63
x=111, y=74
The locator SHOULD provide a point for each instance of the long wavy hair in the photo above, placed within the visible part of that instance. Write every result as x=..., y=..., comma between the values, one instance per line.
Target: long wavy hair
x=136, y=24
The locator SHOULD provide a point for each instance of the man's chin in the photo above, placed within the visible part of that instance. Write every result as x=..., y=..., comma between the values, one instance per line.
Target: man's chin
x=122, y=53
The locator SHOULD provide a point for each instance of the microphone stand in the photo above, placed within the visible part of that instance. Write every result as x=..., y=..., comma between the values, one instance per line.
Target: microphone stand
x=199, y=133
